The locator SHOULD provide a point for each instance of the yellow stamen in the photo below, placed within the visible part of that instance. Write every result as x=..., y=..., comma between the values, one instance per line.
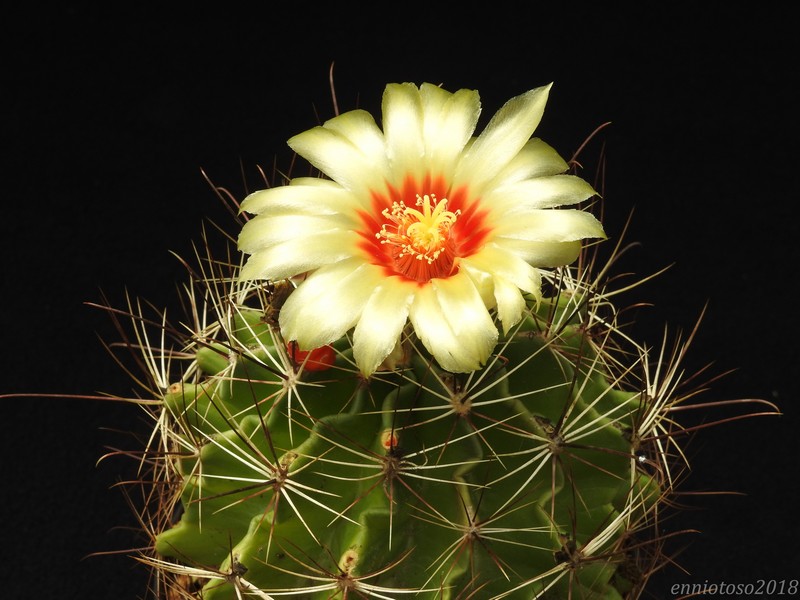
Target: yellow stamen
x=422, y=234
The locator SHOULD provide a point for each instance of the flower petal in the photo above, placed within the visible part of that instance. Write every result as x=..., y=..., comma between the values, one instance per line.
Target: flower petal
x=265, y=231
x=343, y=149
x=359, y=127
x=436, y=335
x=510, y=303
x=482, y=281
x=328, y=303
x=536, y=159
x=461, y=303
x=551, y=225
x=496, y=260
x=308, y=195
x=402, y=126
x=448, y=124
x=381, y=323
x=541, y=192
x=505, y=135
x=299, y=255
x=542, y=254
x=452, y=322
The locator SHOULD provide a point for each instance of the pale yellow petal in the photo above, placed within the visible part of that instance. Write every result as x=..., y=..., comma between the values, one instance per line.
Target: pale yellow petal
x=341, y=158
x=448, y=124
x=435, y=333
x=482, y=281
x=265, y=231
x=314, y=181
x=328, y=303
x=359, y=127
x=496, y=260
x=536, y=159
x=509, y=301
x=462, y=304
x=452, y=322
x=542, y=254
x=402, y=127
x=304, y=197
x=300, y=255
x=505, y=135
x=381, y=323
x=541, y=192
x=467, y=314
x=551, y=225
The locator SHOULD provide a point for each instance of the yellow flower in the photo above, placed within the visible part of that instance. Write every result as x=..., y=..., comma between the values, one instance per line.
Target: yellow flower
x=421, y=222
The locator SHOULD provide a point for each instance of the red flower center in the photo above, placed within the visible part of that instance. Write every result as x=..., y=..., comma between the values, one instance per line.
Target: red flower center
x=420, y=230
x=420, y=235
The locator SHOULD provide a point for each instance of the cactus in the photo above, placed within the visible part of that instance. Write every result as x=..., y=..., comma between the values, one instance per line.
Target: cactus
x=284, y=467
x=523, y=477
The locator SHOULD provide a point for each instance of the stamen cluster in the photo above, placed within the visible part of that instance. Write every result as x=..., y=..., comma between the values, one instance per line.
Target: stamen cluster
x=423, y=234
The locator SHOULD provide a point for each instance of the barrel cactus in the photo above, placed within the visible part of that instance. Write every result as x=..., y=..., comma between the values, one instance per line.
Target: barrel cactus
x=406, y=377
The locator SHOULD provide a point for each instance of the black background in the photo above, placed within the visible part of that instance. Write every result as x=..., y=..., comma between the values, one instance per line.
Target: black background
x=108, y=122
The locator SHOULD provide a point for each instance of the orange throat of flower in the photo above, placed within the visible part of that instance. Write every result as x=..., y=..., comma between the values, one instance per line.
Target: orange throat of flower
x=418, y=240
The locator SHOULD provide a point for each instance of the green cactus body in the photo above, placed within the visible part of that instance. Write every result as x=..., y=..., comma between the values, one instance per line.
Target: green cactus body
x=519, y=480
